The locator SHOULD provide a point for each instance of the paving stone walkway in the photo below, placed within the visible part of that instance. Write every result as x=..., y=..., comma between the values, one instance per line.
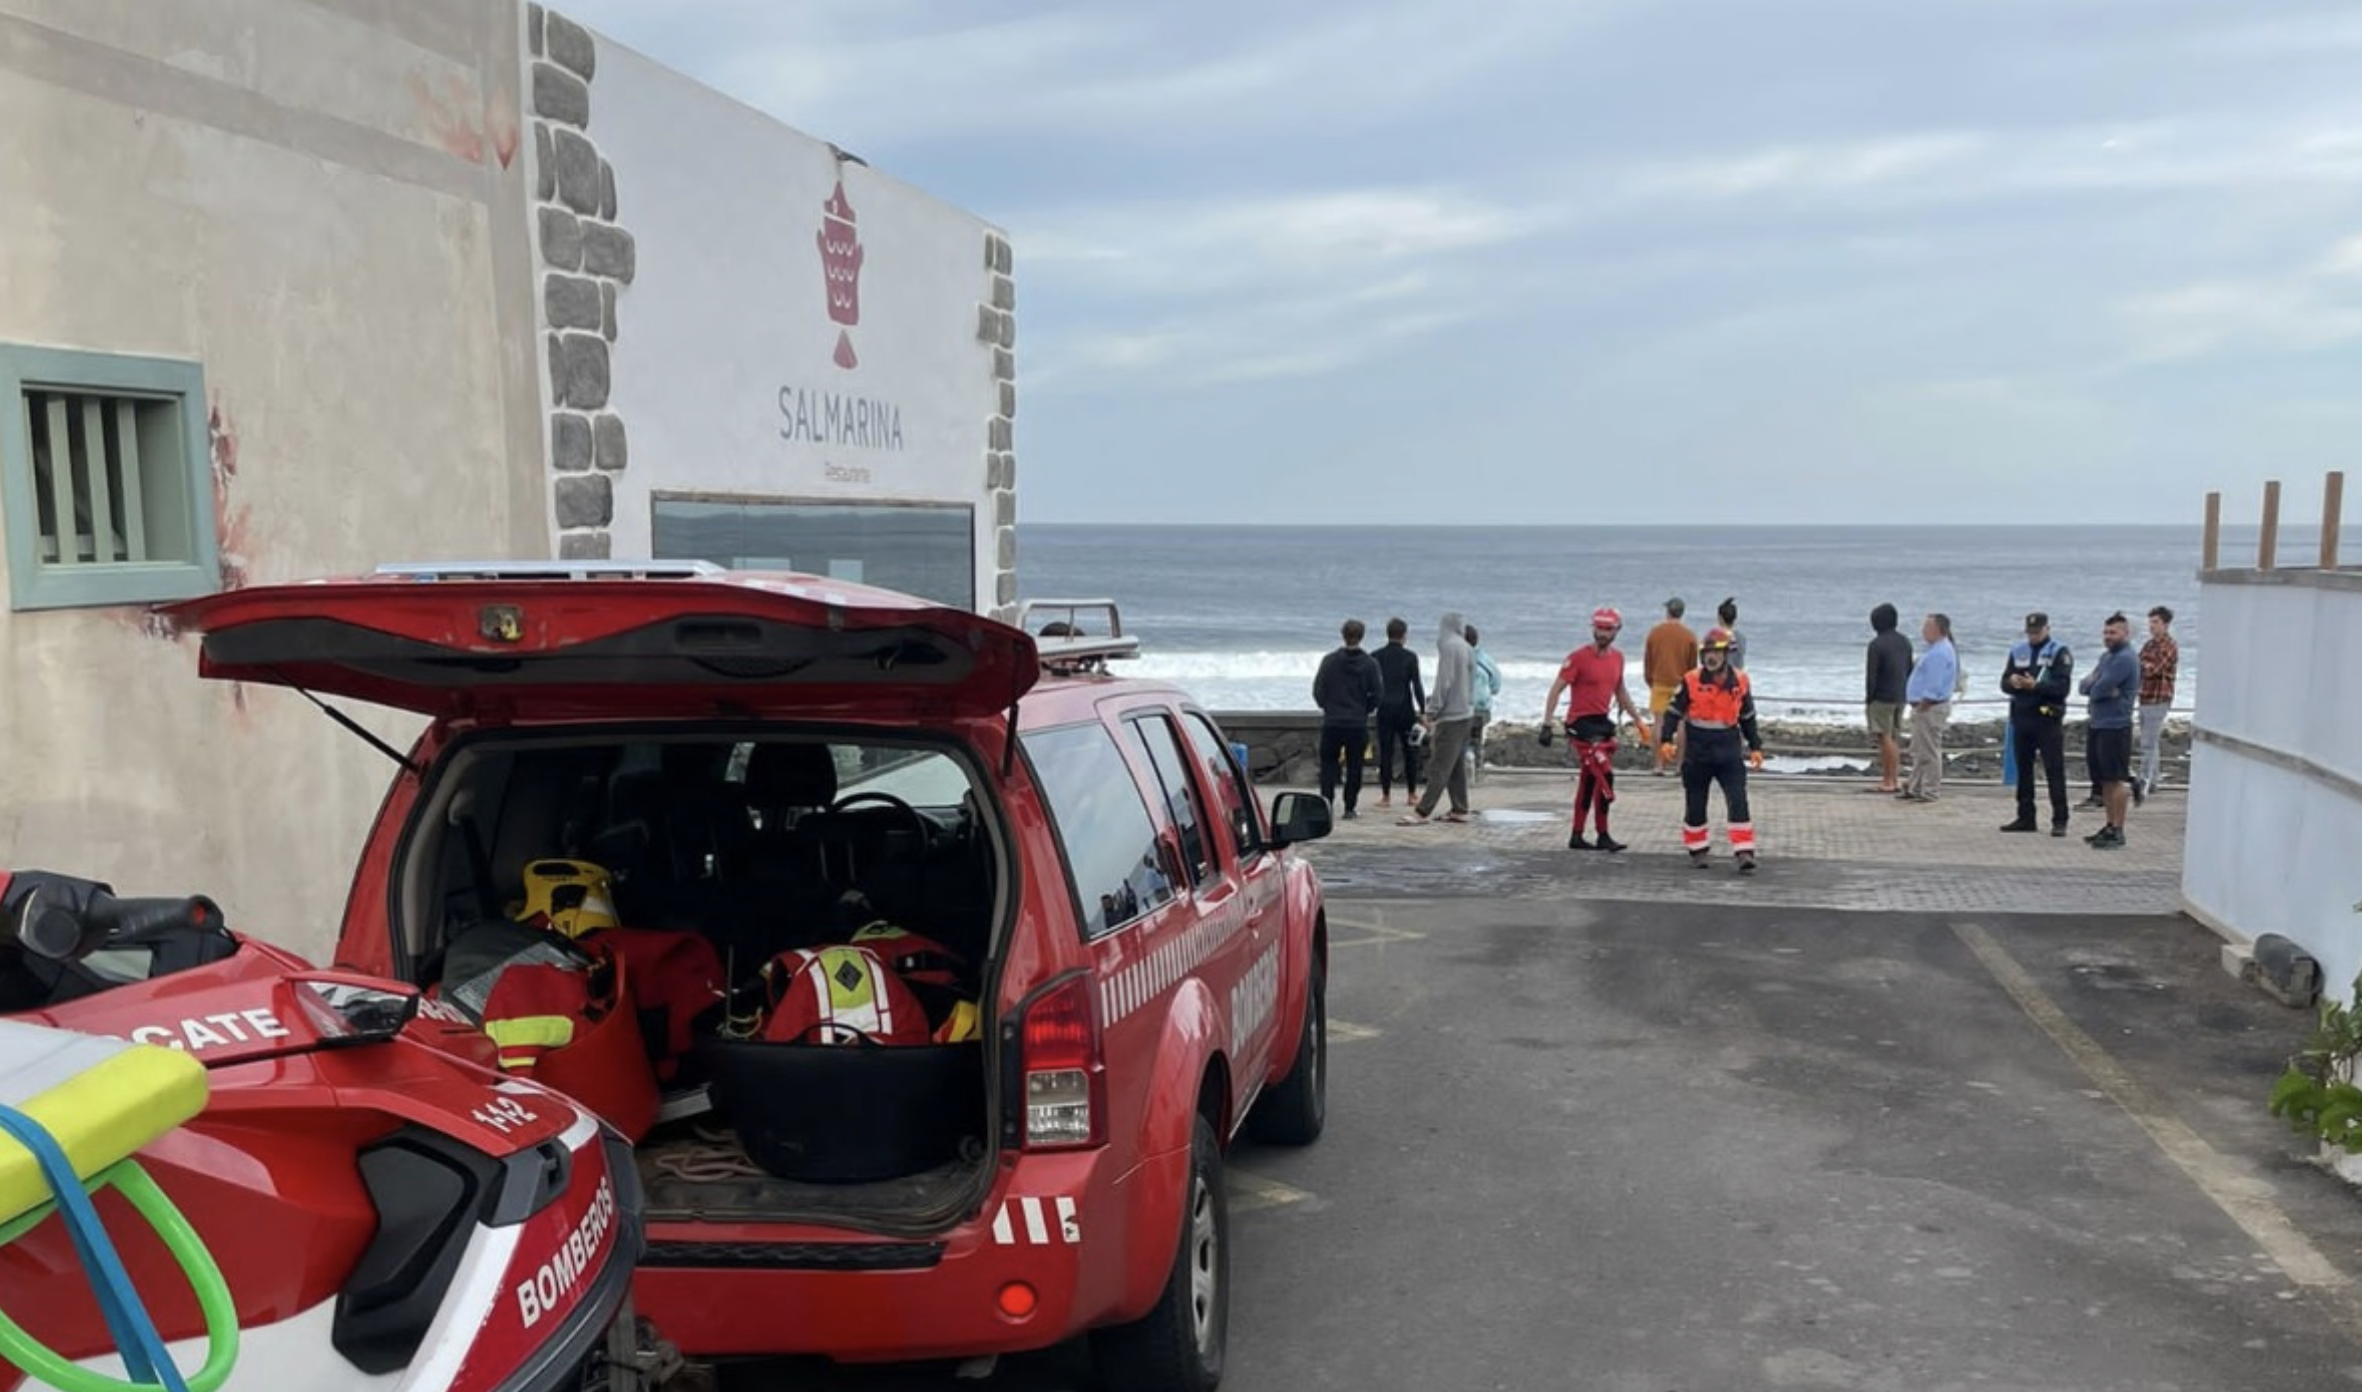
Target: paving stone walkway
x=1824, y=843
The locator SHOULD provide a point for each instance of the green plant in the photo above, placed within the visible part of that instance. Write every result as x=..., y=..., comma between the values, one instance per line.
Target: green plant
x=2317, y=1096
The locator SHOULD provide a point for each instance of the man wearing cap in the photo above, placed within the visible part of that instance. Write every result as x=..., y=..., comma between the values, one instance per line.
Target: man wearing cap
x=1666, y=660
x=1593, y=677
x=2037, y=679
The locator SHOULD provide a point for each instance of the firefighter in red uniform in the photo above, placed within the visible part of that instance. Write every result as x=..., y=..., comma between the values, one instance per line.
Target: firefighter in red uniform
x=1715, y=711
x=1594, y=678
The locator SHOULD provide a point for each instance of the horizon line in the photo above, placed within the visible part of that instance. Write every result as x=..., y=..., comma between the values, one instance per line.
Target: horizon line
x=2285, y=530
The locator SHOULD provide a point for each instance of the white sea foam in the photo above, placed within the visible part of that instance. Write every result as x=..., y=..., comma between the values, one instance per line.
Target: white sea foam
x=1272, y=679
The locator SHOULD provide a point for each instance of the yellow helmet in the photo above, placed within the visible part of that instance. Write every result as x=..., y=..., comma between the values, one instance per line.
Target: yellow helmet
x=572, y=896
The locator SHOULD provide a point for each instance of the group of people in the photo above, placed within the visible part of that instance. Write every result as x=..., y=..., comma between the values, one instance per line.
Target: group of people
x=1701, y=717
x=1356, y=689
x=2039, y=680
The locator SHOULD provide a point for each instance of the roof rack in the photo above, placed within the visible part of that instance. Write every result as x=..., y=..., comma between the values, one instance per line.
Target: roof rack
x=550, y=570
x=1070, y=642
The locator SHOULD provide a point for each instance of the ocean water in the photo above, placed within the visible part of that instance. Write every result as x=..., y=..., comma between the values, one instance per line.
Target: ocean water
x=1241, y=615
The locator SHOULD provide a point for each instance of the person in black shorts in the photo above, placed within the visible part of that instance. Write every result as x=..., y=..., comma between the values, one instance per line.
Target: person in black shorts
x=2112, y=690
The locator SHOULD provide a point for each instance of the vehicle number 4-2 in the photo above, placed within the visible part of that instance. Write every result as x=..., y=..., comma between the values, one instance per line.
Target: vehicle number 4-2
x=505, y=1114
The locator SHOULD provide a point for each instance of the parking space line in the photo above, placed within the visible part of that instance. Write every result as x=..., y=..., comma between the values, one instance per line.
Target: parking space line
x=1378, y=933
x=2243, y=1200
x=1250, y=1192
x=1343, y=1033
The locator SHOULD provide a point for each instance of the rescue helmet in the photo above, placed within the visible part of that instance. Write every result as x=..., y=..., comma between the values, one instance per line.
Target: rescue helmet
x=573, y=897
x=1716, y=640
x=1605, y=616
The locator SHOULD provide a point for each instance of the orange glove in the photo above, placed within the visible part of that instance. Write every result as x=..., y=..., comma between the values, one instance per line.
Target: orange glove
x=1755, y=758
x=1666, y=749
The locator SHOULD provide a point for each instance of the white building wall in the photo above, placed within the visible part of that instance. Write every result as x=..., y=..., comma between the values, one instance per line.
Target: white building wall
x=714, y=365
x=314, y=202
x=2275, y=825
x=464, y=281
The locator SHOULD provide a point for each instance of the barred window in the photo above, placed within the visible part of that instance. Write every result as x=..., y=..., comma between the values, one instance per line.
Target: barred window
x=107, y=482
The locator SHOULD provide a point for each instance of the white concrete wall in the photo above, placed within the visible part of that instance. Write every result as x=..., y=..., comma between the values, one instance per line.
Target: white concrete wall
x=317, y=203
x=722, y=308
x=2274, y=841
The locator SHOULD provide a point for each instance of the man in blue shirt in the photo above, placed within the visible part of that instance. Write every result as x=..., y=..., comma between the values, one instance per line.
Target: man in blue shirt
x=1929, y=694
x=2112, y=690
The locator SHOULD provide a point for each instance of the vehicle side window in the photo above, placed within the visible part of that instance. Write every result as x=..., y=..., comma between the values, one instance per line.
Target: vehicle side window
x=1230, y=790
x=1103, y=825
x=1172, y=771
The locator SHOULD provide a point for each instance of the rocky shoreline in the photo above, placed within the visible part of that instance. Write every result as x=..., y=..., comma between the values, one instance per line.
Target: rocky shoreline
x=1281, y=747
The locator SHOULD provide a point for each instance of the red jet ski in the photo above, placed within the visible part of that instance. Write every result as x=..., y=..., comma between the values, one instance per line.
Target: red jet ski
x=390, y=1212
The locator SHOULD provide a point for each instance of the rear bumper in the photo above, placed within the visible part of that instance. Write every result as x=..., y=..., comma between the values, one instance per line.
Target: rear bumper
x=1058, y=1226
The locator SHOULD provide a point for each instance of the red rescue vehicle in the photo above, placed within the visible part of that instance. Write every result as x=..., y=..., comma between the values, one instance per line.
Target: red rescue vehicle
x=1120, y=962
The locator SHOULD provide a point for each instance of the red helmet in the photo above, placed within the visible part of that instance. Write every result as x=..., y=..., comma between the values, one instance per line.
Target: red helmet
x=1606, y=617
x=1716, y=638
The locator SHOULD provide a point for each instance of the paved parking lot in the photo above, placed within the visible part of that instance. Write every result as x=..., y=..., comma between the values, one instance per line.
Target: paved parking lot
x=1610, y=1123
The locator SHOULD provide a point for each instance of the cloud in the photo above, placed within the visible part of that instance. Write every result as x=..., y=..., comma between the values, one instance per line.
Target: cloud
x=1241, y=341
x=2344, y=259
x=1293, y=285
x=906, y=73
x=1333, y=236
x=2303, y=312
x=2320, y=147
x=1826, y=167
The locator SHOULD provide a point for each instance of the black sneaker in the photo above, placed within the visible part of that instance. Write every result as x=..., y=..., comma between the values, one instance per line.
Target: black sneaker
x=2110, y=839
x=1746, y=862
x=1576, y=842
x=1609, y=843
x=1350, y=814
x=2095, y=800
x=2140, y=794
x=2021, y=824
x=1698, y=860
x=2058, y=829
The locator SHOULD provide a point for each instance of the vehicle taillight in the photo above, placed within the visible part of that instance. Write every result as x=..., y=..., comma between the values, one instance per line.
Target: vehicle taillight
x=1065, y=1102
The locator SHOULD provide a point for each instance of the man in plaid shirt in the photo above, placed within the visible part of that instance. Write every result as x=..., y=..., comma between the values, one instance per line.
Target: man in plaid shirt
x=2161, y=659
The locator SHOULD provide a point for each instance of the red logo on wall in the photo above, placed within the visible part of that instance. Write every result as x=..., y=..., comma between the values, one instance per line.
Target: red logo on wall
x=840, y=266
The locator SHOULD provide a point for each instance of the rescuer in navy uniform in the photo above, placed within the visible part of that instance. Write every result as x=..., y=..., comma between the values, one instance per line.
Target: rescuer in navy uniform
x=1715, y=710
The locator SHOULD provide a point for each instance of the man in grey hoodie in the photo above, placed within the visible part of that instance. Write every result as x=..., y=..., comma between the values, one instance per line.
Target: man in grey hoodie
x=1450, y=710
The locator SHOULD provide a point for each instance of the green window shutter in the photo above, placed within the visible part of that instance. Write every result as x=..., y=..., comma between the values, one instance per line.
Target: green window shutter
x=106, y=478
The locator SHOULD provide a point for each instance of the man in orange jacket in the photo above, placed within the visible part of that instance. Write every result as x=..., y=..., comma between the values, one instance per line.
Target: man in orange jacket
x=1715, y=711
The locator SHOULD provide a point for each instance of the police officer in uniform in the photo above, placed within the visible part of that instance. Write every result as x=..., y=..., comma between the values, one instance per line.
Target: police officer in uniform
x=1715, y=709
x=2040, y=674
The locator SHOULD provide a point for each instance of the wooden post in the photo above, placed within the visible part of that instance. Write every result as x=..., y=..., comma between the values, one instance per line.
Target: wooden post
x=2268, y=541
x=2333, y=505
x=2212, y=554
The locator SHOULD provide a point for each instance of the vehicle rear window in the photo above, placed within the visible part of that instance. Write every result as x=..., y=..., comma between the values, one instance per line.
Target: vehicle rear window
x=1103, y=825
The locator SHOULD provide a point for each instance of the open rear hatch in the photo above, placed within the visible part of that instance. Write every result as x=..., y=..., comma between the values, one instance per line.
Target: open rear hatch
x=560, y=638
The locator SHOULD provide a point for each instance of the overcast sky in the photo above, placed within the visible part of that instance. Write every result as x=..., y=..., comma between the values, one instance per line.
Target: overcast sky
x=1624, y=260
